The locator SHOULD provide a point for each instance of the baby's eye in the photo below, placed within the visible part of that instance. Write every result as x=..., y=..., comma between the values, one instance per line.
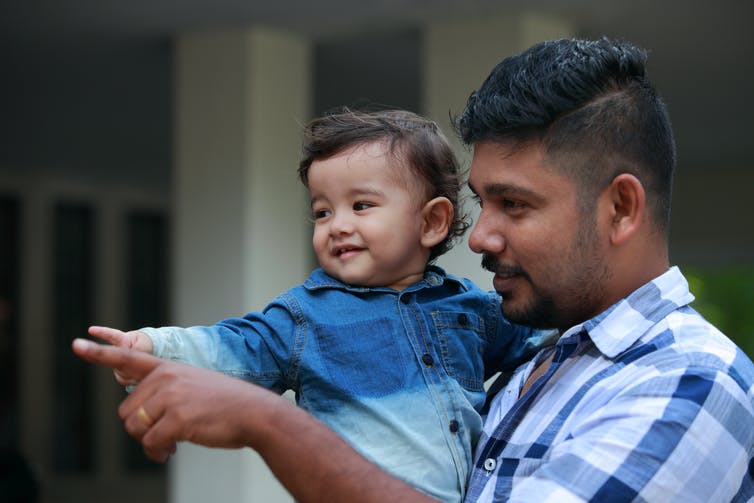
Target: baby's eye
x=361, y=205
x=317, y=214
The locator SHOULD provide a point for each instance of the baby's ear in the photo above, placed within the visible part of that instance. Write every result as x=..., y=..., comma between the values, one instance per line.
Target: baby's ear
x=437, y=215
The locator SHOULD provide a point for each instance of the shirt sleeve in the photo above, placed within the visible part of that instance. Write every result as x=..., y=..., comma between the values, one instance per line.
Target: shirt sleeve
x=256, y=347
x=680, y=437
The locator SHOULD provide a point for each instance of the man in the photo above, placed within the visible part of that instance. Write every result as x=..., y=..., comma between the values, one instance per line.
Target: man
x=639, y=400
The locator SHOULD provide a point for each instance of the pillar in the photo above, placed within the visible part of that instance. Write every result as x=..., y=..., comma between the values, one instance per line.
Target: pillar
x=240, y=215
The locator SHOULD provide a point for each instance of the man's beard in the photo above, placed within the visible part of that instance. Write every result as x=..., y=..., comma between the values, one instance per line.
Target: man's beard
x=579, y=294
x=539, y=312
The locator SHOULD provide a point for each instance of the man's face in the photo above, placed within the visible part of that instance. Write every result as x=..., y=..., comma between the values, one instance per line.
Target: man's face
x=547, y=255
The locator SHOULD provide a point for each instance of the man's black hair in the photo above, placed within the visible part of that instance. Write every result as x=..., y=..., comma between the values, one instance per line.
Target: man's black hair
x=590, y=106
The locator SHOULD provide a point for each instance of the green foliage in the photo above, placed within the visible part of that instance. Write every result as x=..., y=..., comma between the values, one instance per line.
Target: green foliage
x=725, y=297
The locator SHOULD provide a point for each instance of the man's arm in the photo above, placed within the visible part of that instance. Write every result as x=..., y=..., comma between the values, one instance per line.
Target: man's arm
x=175, y=402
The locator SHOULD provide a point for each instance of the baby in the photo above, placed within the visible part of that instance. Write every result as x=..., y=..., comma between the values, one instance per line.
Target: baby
x=388, y=350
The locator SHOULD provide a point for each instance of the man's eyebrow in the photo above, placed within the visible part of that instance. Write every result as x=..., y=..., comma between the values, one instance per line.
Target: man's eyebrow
x=503, y=189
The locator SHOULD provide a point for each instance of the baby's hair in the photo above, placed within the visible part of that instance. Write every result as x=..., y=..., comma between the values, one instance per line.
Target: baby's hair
x=411, y=138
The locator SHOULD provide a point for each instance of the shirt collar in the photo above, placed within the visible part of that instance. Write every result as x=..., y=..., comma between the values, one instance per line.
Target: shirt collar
x=433, y=276
x=622, y=324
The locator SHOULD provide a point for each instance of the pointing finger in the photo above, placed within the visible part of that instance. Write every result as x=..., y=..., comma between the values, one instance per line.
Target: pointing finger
x=133, y=363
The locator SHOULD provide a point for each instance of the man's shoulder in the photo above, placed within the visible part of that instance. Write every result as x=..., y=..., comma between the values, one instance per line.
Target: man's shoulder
x=685, y=344
x=704, y=345
x=692, y=335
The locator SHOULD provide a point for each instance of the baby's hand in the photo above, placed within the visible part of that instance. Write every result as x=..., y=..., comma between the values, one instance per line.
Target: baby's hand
x=131, y=340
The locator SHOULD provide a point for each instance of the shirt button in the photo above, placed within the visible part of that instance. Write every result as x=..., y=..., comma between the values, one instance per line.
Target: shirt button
x=453, y=426
x=463, y=319
x=427, y=359
x=490, y=464
x=405, y=299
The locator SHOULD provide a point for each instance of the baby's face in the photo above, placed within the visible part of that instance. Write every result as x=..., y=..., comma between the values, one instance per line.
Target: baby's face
x=367, y=218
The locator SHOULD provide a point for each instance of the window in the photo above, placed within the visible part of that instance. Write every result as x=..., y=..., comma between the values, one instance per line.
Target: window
x=72, y=311
x=146, y=294
x=71, y=256
x=9, y=308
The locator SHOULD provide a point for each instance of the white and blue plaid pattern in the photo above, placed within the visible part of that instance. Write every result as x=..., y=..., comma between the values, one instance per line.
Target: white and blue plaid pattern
x=645, y=402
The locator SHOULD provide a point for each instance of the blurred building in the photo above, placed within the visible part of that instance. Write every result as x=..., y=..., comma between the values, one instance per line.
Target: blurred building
x=147, y=177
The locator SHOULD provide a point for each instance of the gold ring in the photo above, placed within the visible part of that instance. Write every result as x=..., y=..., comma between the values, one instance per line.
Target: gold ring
x=146, y=418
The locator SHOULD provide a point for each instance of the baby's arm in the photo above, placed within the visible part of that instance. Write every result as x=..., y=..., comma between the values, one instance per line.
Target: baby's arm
x=132, y=340
x=256, y=347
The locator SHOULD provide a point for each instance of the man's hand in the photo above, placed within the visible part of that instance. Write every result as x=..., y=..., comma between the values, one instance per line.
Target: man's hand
x=175, y=402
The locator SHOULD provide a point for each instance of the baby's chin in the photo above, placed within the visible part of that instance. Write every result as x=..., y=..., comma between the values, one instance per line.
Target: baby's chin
x=348, y=279
x=375, y=279
x=357, y=280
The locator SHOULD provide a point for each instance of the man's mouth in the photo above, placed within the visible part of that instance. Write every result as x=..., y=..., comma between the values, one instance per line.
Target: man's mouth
x=501, y=270
x=506, y=275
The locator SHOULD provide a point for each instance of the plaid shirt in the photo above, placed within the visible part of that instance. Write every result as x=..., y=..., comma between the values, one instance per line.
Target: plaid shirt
x=645, y=402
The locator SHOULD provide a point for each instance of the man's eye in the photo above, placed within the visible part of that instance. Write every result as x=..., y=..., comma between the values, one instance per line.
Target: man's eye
x=477, y=200
x=510, y=204
x=361, y=205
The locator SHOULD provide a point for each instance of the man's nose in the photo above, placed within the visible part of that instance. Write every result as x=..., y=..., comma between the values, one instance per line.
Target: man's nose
x=487, y=235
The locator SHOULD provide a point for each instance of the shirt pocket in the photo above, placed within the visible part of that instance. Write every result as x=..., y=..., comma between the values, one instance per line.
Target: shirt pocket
x=461, y=338
x=362, y=359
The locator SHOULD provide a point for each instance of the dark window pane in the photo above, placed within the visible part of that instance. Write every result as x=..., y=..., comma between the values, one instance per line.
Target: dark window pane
x=147, y=269
x=9, y=308
x=72, y=424
x=146, y=293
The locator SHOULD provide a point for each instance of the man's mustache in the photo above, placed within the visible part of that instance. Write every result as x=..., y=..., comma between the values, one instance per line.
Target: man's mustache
x=490, y=264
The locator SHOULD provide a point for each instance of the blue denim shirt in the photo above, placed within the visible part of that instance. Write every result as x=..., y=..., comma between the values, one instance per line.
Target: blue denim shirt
x=399, y=375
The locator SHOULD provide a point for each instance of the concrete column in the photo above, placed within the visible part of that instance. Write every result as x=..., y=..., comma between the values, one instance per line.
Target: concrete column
x=240, y=228
x=458, y=56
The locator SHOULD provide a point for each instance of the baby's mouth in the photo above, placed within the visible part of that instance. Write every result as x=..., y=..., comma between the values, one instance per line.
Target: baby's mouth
x=346, y=250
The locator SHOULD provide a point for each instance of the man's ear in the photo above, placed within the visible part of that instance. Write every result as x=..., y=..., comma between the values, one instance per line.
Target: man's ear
x=627, y=204
x=437, y=215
